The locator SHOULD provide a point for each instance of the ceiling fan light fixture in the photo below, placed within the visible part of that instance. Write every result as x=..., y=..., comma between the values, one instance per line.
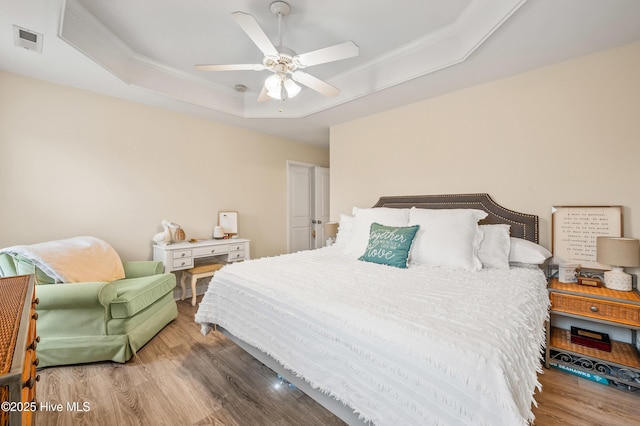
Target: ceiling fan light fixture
x=292, y=88
x=275, y=94
x=273, y=85
x=273, y=82
x=276, y=85
x=282, y=61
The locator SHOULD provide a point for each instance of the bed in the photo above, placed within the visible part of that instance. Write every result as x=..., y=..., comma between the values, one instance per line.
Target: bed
x=420, y=343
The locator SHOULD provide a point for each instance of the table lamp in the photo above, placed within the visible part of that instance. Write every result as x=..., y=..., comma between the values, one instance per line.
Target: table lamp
x=330, y=232
x=618, y=252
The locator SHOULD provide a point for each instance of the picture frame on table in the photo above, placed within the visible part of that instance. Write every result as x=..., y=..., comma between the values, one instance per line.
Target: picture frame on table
x=574, y=231
x=228, y=220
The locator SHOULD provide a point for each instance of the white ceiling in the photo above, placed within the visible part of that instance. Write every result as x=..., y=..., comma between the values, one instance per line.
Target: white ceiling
x=145, y=50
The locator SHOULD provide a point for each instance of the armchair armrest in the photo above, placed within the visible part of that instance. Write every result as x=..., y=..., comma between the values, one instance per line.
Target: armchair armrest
x=75, y=295
x=142, y=268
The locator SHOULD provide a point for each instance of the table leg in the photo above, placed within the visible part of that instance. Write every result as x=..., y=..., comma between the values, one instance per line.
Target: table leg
x=194, y=280
x=182, y=284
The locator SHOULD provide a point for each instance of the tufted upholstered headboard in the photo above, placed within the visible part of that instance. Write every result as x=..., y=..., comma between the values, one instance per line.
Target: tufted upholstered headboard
x=523, y=225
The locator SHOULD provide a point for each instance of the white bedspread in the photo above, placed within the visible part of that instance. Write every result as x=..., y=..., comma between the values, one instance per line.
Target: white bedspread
x=417, y=346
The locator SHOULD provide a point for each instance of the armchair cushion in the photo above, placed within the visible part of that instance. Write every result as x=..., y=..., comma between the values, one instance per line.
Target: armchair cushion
x=135, y=294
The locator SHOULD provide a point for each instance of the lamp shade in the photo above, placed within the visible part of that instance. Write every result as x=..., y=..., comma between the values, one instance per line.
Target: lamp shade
x=331, y=229
x=273, y=84
x=292, y=88
x=618, y=251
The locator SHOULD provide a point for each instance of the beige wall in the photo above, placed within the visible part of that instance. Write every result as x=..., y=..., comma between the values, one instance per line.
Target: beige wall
x=77, y=163
x=567, y=134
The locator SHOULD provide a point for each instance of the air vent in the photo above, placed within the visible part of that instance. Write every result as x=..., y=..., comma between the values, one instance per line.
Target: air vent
x=27, y=39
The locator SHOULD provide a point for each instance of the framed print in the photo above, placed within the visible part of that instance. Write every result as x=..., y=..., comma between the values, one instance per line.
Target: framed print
x=229, y=222
x=574, y=230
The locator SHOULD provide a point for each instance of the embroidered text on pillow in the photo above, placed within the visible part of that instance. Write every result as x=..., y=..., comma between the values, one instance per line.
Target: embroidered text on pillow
x=389, y=245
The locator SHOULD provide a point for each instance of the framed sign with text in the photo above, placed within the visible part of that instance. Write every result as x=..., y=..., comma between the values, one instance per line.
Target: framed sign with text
x=229, y=222
x=574, y=230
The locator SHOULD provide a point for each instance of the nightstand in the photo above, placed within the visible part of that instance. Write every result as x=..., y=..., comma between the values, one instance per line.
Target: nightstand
x=601, y=305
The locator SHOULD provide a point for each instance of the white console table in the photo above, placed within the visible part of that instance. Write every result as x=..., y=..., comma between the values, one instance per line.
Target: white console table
x=181, y=256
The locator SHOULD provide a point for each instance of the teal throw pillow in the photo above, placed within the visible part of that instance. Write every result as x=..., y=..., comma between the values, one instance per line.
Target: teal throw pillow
x=389, y=245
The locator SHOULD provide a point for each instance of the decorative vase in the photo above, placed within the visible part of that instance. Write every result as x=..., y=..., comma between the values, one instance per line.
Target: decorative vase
x=179, y=235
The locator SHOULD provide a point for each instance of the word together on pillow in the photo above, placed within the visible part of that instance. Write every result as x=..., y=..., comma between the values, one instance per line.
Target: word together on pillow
x=389, y=245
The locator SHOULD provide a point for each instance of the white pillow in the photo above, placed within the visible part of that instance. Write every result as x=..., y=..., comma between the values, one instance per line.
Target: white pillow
x=362, y=220
x=524, y=251
x=447, y=237
x=344, y=229
x=495, y=246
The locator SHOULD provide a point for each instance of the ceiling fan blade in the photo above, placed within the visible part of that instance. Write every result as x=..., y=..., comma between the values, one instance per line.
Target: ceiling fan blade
x=263, y=95
x=315, y=83
x=345, y=50
x=231, y=67
x=255, y=33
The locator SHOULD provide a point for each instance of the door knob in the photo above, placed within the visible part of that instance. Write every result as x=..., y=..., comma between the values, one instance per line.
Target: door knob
x=314, y=221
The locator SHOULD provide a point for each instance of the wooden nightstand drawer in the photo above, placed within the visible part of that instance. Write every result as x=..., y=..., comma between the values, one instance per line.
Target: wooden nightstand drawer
x=589, y=307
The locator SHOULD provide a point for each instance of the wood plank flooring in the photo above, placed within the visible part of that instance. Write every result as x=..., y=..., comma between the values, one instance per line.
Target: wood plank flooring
x=184, y=378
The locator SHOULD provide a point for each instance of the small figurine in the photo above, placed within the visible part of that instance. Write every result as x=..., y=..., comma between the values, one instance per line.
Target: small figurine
x=163, y=238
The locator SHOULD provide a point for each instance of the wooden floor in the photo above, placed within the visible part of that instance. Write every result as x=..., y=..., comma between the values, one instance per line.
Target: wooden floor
x=184, y=378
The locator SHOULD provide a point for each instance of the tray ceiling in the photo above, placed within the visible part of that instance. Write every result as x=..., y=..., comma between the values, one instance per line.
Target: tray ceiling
x=146, y=50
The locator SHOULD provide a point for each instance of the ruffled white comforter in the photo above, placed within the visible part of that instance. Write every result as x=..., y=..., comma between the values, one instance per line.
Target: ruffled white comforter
x=417, y=346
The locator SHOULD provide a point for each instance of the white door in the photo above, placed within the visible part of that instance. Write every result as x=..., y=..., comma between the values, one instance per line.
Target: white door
x=300, y=207
x=308, y=199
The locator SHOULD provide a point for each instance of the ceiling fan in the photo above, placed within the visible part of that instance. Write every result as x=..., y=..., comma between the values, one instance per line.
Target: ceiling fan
x=285, y=64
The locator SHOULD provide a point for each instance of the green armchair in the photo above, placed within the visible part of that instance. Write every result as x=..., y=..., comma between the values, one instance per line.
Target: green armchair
x=98, y=321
